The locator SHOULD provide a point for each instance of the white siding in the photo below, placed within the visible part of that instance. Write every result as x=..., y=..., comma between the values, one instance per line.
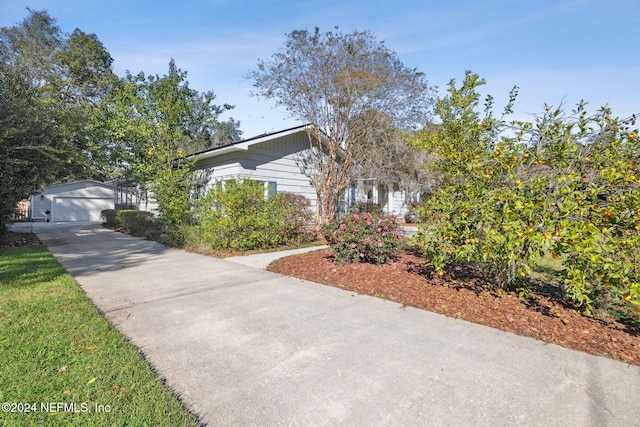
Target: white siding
x=277, y=158
x=398, y=204
x=94, y=195
x=79, y=208
x=273, y=160
x=392, y=199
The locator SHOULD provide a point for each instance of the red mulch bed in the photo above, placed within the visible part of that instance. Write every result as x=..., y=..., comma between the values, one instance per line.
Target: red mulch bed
x=462, y=293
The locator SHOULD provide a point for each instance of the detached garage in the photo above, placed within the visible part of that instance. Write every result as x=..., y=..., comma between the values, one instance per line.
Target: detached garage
x=74, y=201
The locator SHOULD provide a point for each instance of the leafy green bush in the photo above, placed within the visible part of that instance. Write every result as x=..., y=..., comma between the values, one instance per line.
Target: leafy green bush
x=109, y=217
x=299, y=216
x=363, y=238
x=565, y=185
x=137, y=223
x=239, y=216
x=366, y=207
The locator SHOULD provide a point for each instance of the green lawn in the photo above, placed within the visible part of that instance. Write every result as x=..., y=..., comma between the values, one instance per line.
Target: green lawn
x=61, y=361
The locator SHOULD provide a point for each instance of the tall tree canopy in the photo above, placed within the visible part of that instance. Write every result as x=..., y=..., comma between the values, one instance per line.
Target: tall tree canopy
x=65, y=115
x=348, y=87
x=153, y=123
x=49, y=85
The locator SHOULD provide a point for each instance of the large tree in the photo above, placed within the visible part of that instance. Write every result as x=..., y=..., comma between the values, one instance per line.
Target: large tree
x=49, y=83
x=32, y=151
x=347, y=86
x=152, y=124
x=68, y=74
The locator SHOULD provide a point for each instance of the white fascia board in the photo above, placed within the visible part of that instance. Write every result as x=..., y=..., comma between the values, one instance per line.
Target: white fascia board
x=221, y=151
x=244, y=146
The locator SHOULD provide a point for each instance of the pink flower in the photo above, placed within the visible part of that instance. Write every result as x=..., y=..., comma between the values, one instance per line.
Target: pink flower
x=353, y=246
x=356, y=216
x=379, y=230
x=380, y=221
x=343, y=226
x=368, y=222
x=379, y=244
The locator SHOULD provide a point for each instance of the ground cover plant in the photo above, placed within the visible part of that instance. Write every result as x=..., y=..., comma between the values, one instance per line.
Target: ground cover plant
x=61, y=360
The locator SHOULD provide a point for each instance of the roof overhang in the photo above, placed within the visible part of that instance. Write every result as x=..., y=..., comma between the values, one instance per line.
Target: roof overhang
x=244, y=145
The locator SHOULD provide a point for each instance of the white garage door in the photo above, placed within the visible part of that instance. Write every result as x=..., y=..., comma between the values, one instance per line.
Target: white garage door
x=79, y=208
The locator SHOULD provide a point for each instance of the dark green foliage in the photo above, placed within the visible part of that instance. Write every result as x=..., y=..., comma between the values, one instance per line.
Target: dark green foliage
x=109, y=217
x=154, y=123
x=137, y=223
x=32, y=151
x=299, y=217
x=49, y=85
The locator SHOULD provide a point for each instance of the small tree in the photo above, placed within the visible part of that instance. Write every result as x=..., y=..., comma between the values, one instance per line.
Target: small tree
x=480, y=211
x=335, y=82
x=154, y=123
x=508, y=194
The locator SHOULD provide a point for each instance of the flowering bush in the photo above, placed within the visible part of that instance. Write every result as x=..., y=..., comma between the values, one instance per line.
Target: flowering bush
x=363, y=238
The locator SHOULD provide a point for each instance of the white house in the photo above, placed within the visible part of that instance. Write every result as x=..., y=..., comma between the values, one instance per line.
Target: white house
x=277, y=159
x=73, y=201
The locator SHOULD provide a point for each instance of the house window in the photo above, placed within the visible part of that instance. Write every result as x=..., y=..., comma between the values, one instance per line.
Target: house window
x=272, y=189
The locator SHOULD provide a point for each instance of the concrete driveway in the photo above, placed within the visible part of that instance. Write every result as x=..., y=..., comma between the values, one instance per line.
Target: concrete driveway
x=244, y=346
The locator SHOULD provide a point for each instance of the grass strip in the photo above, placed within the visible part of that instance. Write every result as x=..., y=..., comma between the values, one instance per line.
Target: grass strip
x=62, y=363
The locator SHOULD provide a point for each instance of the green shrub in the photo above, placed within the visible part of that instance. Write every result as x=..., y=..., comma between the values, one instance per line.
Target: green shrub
x=299, y=217
x=565, y=185
x=137, y=223
x=109, y=217
x=363, y=238
x=239, y=216
x=366, y=207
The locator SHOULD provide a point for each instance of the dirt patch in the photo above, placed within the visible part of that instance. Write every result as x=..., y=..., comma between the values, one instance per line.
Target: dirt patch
x=13, y=239
x=463, y=293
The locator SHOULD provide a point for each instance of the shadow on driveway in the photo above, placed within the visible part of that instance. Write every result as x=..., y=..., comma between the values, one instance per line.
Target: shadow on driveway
x=82, y=249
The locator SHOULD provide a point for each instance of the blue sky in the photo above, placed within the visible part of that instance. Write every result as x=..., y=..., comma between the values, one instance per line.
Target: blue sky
x=555, y=51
